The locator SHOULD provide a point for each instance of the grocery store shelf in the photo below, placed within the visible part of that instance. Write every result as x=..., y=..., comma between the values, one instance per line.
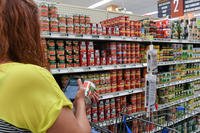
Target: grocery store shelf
x=163, y=106
x=118, y=120
x=96, y=68
x=138, y=90
x=190, y=114
x=121, y=93
x=178, y=82
x=114, y=67
x=178, y=62
x=115, y=38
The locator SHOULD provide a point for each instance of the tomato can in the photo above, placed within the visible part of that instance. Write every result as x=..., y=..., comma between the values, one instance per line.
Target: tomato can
x=51, y=43
x=83, y=59
x=62, y=19
x=76, y=29
x=52, y=64
x=82, y=19
x=99, y=29
x=93, y=29
x=61, y=64
x=120, y=85
x=87, y=19
x=113, y=113
x=53, y=25
x=52, y=51
x=69, y=29
x=97, y=57
x=114, y=87
x=82, y=29
x=101, y=116
x=69, y=20
x=101, y=105
x=104, y=30
x=43, y=9
x=44, y=24
x=88, y=29
x=53, y=11
x=76, y=19
x=94, y=117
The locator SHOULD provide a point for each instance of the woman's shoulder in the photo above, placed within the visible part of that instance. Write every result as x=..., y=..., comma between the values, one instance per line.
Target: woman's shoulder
x=29, y=71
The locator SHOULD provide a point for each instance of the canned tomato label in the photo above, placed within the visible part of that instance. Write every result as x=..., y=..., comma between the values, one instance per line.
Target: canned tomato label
x=82, y=19
x=76, y=29
x=53, y=11
x=101, y=116
x=94, y=117
x=69, y=29
x=87, y=19
x=88, y=29
x=44, y=24
x=101, y=105
x=82, y=29
x=62, y=19
x=113, y=113
x=61, y=64
x=76, y=19
x=53, y=25
x=43, y=7
x=69, y=20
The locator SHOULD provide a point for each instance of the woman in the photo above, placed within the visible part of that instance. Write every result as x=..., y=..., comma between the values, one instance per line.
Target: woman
x=30, y=99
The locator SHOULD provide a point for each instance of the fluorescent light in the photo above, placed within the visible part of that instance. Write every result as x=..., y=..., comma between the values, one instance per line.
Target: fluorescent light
x=100, y=3
x=150, y=13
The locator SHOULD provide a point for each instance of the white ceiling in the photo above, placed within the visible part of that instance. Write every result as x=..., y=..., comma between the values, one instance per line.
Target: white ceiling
x=139, y=7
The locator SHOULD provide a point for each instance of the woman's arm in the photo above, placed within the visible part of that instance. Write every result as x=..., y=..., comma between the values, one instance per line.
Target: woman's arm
x=67, y=122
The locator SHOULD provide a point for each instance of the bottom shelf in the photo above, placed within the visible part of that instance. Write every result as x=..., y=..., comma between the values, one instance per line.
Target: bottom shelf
x=188, y=115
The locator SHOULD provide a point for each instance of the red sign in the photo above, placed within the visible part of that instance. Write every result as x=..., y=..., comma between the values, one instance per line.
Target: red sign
x=177, y=8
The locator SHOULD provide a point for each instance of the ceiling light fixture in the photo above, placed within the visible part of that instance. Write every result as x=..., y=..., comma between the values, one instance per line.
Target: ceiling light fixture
x=150, y=13
x=100, y=3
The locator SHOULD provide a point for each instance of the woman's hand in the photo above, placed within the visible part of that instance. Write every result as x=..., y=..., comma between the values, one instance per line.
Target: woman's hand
x=94, y=96
x=80, y=97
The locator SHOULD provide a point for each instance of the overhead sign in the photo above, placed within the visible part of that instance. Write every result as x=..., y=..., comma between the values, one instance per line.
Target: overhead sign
x=177, y=8
x=164, y=8
x=191, y=5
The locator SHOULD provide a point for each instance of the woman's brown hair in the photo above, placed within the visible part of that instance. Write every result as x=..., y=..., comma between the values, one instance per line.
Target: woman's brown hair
x=20, y=32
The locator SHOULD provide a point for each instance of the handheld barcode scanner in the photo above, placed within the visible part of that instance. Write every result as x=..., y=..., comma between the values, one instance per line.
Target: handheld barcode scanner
x=71, y=88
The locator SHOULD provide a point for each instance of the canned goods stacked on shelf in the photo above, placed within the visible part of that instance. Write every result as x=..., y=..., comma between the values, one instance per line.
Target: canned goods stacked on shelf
x=113, y=81
x=65, y=53
x=178, y=72
x=111, y=108
x=173, y=93
x=177, y=52
x=123, y=26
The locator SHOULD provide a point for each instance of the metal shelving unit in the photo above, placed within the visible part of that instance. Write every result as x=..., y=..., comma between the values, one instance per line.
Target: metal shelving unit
x=163, y=106
x=118, y=119
x=116, y=67
x=178, y=82
x=96, y=68
x=121, y=93
x=116, y=38
x=138, y=90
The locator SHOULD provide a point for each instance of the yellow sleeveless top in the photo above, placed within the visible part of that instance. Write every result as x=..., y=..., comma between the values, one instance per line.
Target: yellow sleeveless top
x=30, y=98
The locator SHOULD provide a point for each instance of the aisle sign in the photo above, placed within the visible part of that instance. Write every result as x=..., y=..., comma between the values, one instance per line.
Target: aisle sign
x=191, y=5
x=177, y=8
x=164, y=8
